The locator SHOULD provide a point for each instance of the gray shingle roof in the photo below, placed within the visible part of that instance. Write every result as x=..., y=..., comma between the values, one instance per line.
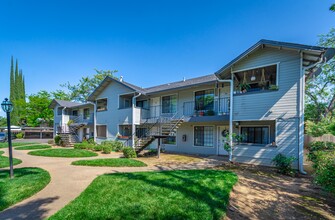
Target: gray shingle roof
x=67, y=104
x=329, y=52
x=182, y=84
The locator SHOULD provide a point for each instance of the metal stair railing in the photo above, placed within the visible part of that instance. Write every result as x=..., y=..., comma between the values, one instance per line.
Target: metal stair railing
x=146, y=123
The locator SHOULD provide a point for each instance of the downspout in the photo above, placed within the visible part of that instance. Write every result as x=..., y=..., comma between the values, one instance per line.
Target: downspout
x=133, y=126
x=230, y=116
x=63, y=126
x=94, y=121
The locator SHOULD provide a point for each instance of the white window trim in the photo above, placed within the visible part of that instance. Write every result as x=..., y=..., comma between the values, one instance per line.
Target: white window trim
x=194, y=136
x=174, y=145
x=161, y=103
x=96, y=102
x=106, y=131
x=269, y=126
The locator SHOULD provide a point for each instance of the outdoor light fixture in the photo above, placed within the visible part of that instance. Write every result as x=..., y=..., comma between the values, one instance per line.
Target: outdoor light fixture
x=7, y=106
x=237, y=124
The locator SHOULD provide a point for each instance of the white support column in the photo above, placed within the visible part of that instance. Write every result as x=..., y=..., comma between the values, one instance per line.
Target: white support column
x=231, y=82
x=133, y=126
x=301, y=116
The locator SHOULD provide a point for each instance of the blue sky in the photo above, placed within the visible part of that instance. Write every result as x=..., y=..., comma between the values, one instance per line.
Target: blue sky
x=148, y=42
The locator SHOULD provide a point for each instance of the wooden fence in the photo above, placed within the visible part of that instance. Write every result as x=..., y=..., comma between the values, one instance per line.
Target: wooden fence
x=326, y=137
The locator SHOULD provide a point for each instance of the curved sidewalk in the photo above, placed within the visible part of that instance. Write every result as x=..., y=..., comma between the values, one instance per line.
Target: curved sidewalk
x=68, y=181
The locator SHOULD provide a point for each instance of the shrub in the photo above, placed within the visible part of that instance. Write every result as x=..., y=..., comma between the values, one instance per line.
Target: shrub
x=129, y=152
x=91, y=141
x=97, y=147
x=20, y=135
x=118, y=146
x=57, y=140
x=316, y=146
x=50, y=141
x=80, y=146
x=107, y=149
x=284, y=164
x=324, y=169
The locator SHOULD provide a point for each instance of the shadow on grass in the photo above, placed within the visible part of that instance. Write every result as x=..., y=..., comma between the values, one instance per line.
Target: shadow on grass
x=31, y=210
x=210, y=187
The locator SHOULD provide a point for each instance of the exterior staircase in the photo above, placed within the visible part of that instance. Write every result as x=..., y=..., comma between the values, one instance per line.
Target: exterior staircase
x=68, y=139
x=168, y=127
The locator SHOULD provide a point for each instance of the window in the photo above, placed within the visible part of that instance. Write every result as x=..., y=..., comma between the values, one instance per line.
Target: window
x=169, y=140
x=141, y=132
x=169, y=104
x=143, y=104
x=203, y=136
x=101, y=105
x=255, y=135
x=86, y=113
x=127, y=103
x=204, y=100
x=59, y=110
x=258, y=79
x=75, y=112
x=101, y=131
x=125, y=130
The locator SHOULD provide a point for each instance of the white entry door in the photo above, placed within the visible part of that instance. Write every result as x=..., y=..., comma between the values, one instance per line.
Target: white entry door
x=155, y=107
x=222, y=133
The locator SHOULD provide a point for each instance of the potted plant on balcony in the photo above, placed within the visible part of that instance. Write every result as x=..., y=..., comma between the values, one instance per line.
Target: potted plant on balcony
x=210, y=113
x=244, y=87
x=273, y=87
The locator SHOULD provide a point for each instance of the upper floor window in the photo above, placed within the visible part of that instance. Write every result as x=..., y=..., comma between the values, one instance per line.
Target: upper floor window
x=204, y=100
x=258, y=79
x=86, y=113
x=101, y=105
x=75, y=112
x=169, y=104
x=59, y=110
x=143, y=104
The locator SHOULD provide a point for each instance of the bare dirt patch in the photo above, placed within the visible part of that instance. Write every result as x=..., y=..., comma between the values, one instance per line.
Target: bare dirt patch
x=261, y=193
x=168, y=160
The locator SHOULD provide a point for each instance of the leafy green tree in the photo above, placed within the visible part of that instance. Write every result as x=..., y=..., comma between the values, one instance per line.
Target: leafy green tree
x=332, y=8
x=60, y=94
x=37, y=109
x=320, y=92
x=3, y=121
x=81, y=91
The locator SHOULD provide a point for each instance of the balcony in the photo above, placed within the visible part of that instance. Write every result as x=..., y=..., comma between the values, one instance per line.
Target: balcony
x=213, y=108
x=217, y=107
x=82, y=119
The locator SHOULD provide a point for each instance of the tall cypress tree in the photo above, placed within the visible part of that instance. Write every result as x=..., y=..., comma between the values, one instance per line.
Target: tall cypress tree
x=12, y=80
x=16, y=77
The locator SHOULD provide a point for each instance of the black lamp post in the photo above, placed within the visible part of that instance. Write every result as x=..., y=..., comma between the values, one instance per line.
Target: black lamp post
x=7, y=106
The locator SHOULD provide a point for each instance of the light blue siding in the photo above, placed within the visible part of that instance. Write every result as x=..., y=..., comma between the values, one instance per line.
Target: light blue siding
x=113, y=117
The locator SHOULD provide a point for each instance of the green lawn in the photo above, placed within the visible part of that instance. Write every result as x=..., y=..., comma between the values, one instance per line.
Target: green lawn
x=4, y=145
x=33, y=147
x=4, y=161
x=26, y=182
x=63, y=153
x=111, y=162
x=183, y=194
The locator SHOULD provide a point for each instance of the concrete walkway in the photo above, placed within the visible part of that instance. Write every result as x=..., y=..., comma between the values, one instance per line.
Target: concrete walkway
x=68, y=181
